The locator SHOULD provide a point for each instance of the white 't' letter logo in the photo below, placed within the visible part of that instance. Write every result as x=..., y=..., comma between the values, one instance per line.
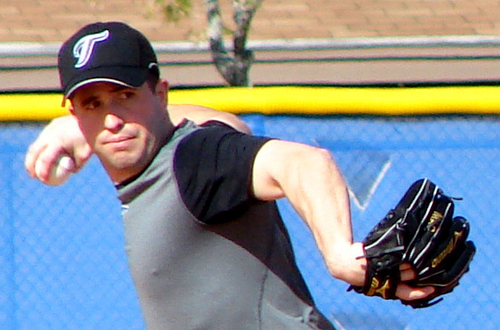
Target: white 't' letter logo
x=84, y=47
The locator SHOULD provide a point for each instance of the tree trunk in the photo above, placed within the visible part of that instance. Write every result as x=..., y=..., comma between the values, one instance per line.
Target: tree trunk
x=233, y=68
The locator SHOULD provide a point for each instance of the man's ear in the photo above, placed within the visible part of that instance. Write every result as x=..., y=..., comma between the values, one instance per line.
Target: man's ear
x=162, y=90
x=71, y=109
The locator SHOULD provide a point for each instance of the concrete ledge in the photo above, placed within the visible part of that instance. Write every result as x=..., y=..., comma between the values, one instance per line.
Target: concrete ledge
x=369, y=61
x=22, y=49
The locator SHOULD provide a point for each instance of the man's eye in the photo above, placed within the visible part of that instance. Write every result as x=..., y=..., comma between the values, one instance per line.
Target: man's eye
x=126, y=95
x=93, y=105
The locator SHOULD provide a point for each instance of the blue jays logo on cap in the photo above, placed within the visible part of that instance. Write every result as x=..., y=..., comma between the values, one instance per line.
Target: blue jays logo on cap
x=85, y=46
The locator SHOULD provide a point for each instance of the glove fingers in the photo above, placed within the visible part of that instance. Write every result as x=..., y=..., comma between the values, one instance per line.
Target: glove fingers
x=401, y=218
x=435, y=224
x=452, y=270
x=417, y=219
x=461, y=266
x=445, y=283
x=418, y=193
x=447, y=251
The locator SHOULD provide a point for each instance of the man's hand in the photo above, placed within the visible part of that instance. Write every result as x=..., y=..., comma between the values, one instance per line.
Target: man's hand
x=407, y=293
x=61, y=137
x=348, y=264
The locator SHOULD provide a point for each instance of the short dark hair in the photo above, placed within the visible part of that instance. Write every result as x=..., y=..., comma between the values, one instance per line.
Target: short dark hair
x=152, y=79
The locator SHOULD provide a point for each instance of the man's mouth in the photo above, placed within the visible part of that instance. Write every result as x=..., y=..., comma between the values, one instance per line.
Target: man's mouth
x=119, y=142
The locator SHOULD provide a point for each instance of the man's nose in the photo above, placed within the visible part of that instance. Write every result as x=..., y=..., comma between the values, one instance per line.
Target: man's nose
x=113, y=121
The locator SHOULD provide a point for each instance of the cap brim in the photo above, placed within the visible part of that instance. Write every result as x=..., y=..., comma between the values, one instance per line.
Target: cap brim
x=126, y=76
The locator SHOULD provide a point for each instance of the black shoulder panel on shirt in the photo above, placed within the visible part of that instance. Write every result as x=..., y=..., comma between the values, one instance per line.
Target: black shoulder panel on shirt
x=213, y=167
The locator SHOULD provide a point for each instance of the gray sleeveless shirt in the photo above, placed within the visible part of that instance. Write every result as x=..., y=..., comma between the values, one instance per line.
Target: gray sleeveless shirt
x=190, y=275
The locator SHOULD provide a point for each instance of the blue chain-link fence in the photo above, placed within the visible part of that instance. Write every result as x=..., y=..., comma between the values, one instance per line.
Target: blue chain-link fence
x=62, y=259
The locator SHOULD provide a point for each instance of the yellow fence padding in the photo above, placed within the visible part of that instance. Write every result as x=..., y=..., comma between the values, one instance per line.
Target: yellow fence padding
x=347, y=100
x=27, y=107
x=392, y=101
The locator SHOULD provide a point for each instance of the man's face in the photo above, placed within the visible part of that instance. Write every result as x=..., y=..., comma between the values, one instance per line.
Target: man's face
x=124, y=126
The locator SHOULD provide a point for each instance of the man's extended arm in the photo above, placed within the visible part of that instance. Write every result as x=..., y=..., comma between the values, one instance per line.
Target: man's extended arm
x=309, y=178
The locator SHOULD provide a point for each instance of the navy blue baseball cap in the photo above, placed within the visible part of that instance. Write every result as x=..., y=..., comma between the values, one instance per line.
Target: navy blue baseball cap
x=105, y=52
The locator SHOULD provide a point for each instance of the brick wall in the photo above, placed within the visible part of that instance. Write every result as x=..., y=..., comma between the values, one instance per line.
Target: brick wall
x=54, y=20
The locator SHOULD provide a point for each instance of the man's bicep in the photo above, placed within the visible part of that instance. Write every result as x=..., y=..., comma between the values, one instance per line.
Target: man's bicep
x=282, y=168
x=268, y=162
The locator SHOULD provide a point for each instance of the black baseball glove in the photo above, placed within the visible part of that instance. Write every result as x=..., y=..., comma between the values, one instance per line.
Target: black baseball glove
x=421, y=231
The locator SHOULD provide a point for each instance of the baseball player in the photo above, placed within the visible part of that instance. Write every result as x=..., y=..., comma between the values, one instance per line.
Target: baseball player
x=206, y=245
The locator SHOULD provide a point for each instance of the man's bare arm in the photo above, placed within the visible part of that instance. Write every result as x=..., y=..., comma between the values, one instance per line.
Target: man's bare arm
x=62, y=136
x=310, y=179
